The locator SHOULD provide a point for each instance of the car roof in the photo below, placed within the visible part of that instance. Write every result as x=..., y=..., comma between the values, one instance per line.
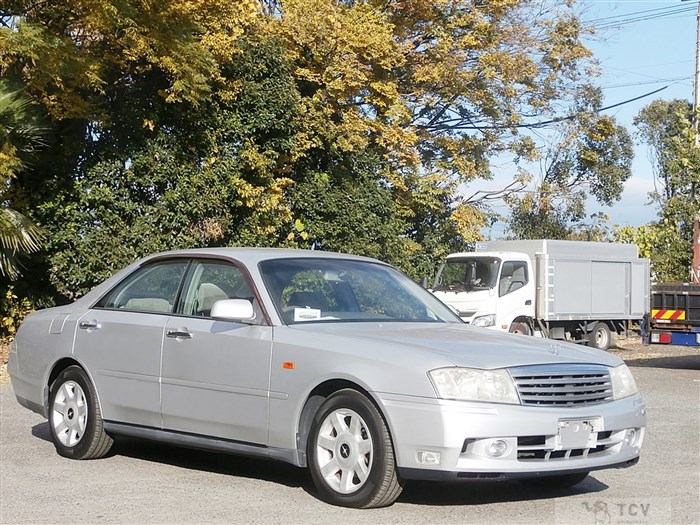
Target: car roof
x=252, y=256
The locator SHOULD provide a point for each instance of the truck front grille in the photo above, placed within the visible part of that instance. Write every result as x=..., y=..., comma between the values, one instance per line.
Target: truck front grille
x=563, y=385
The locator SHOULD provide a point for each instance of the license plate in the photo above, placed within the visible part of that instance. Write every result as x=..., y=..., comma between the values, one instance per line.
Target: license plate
x=574, y=433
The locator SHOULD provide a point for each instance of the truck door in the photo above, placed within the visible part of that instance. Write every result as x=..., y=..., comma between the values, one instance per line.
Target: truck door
x=516, y=293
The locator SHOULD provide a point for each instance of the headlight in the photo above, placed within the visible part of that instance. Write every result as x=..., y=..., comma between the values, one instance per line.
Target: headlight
x=468, y=384
x=484, y=320
x=623, y=383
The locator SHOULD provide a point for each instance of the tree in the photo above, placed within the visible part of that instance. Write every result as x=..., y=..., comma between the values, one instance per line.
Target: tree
x=21, y=135
x=590, y=156
x=213, y=122
x=666, y=126
x=436, y=87
x=211, y=175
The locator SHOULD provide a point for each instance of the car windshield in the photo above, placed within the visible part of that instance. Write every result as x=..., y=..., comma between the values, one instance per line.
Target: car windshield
x=338, y=290
x=467, y=273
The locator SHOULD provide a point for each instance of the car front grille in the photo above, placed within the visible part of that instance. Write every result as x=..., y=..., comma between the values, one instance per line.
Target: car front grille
x=571, y=385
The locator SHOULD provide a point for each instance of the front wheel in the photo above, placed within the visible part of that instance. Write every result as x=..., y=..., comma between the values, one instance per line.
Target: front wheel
x=351, y=457
x=520, y=328
x=75, y=419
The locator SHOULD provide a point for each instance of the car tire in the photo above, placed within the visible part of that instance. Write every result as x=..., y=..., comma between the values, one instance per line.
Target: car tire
x=75, y=420
x=351, y=456
x=600, y=337
x=561, y=481
x=520, y=328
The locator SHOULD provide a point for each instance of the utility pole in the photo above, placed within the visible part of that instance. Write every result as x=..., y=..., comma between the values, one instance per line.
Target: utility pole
x=695, y=270
x=696, y=100
x=695, y=277
x=696, y=84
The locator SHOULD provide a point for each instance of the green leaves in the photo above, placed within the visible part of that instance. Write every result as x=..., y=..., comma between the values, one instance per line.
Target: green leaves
x=354, y=126
x=18, y=236
x=666, y=126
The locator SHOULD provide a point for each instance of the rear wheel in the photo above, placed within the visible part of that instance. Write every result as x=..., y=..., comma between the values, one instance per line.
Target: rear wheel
x=75, y=420
x=351, y=457
x=600, y=337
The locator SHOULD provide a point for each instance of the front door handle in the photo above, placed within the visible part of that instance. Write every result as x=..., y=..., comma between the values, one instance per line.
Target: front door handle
x=179, y=334
x=528, y=302
x=90, y=325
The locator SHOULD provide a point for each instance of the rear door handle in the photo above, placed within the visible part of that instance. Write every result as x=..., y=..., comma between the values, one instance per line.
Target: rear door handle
x=90, y=325
x=179, y=334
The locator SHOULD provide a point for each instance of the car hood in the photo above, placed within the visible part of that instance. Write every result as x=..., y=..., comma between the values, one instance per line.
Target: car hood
x=453, y=344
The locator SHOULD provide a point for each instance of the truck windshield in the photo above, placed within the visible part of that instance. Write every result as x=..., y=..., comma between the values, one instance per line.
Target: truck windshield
x=467, y=273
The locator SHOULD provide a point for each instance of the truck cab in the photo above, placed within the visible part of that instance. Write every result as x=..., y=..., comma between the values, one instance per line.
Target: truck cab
x=489, y=289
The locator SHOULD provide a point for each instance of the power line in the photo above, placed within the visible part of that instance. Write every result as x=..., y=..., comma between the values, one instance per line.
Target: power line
x=541, y=124
x=632, y=18
x=647, y=82
x=634, y=13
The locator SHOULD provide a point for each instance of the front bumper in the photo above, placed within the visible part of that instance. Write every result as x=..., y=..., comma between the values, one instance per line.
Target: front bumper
x=439, y=439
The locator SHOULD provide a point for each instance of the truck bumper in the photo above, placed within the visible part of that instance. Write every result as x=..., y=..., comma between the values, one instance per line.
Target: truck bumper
x=439, y=439
x=671, y=337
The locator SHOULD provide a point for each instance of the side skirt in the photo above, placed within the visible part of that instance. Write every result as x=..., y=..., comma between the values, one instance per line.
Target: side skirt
x=184, y=439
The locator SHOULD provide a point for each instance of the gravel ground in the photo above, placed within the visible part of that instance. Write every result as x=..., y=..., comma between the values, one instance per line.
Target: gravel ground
x=635, y=353
x=142, y=482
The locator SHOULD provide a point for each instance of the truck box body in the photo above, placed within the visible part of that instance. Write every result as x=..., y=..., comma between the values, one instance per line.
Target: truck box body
x=578, y=280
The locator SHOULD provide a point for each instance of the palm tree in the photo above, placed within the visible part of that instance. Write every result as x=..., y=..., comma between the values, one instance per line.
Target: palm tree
x=21, y=135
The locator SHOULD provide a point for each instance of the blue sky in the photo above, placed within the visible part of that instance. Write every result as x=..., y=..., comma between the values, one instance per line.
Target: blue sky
x=642, y=46
x=637, y=58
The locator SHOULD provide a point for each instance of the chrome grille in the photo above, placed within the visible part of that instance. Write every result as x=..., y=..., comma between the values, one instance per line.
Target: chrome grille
x=562, y=385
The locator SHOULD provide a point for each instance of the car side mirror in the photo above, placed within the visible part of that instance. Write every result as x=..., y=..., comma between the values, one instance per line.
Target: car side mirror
x=235, y=310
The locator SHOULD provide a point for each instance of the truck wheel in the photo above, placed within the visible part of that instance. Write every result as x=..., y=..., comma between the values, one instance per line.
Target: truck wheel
x=351, y=457
x=520, y=328
x=600, y=337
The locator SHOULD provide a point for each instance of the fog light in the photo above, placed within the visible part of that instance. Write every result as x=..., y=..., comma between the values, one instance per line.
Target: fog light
x=497, y=448
x=630, y=437
x=427, y=457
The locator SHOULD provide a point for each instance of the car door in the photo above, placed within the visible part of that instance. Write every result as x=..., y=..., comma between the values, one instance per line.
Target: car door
x=215, y=378
x=120, y=338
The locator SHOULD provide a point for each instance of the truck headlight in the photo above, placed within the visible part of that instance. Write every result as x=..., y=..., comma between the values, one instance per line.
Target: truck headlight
x=484, y=320
x=623, y=383
x=469, y=384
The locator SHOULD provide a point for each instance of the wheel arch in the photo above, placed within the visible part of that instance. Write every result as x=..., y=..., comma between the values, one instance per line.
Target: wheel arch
x=316, y=398
x=58, y=367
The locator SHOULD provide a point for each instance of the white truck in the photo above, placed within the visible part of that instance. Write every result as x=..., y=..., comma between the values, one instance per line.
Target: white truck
x=577, y=291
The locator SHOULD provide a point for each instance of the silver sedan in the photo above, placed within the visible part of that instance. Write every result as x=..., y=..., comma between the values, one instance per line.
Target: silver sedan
x=328, y=361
